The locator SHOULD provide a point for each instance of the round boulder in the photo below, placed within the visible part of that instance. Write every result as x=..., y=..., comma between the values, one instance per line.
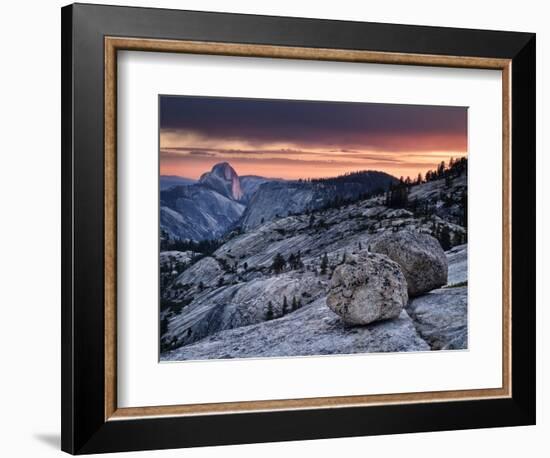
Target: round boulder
x=420, y=256
x=368, y=287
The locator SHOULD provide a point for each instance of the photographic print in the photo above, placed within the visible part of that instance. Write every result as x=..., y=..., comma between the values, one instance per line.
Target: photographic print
x=306, y=228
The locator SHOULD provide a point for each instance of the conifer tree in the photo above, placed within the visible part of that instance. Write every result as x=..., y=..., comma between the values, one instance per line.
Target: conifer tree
x=269, y=313
x=278, y=263
x=445, y=238
x=441, y=169
x=324, y=264
x=292, y=261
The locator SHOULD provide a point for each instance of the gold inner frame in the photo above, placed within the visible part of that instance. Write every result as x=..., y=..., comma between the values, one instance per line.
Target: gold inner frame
x=114, y=44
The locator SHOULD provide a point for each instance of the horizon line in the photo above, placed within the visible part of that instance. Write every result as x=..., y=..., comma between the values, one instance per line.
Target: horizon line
x=423, y=174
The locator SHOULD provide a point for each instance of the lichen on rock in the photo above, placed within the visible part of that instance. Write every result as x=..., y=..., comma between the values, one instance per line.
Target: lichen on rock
x=419, y=255
x=368, y=287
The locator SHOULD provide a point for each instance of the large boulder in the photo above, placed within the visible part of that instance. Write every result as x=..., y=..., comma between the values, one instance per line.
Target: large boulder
x=420, y=256
x=368, y=287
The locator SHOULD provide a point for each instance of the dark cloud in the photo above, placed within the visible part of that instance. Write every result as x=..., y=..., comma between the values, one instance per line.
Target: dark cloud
x=333, y=124
x=263, y=155
x=195, y=152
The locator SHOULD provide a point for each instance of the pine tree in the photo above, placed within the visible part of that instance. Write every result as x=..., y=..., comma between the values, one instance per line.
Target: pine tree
x=278, y=263
x=445, y=238
x=292, y=261
x=441, y=169
x=414, y=205
x=299, y=262
x=398, y=196
x=269, y=313
x=285, y=305
x=324, y=264
x=294, y=303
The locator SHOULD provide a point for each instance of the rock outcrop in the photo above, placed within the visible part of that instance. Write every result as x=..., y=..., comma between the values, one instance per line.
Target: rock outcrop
x=312, y=330
x=251, y=183
x=441, y=317
x=457, y=258
x=224, y=180
x=366, y=288
x=241, y=304
x=420, y=256
x=168, y=258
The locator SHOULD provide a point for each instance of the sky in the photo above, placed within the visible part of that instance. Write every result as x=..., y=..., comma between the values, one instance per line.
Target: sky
x=293, y=139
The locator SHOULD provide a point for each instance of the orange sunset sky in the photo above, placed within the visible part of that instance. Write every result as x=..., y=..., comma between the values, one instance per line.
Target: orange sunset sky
x=303, y=139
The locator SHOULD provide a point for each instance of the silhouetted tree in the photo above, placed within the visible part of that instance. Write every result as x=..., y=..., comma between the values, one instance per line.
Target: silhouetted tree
x=294, y=303
x=324, y=264
x=269, y=313
x=445, y=238
x=397, y=196
x=441, y=169
x=278, y=263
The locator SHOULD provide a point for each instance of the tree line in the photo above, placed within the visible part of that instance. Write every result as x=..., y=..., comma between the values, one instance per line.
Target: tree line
x=205, y=247
x=286, y=308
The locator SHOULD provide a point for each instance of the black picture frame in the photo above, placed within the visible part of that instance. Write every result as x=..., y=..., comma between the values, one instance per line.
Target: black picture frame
x=84, y=428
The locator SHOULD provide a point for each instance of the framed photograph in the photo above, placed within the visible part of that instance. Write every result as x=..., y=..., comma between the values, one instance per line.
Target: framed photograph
x=281, y=228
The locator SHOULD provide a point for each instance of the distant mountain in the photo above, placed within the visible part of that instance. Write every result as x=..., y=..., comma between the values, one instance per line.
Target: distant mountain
x=168, y=181
x=223, y=179
x=282, y=198
x=206, y=209
x=196, y=212
x=251, y=183
x=221, y=200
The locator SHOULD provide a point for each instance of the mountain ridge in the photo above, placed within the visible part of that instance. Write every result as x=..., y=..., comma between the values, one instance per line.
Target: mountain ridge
x=221, y=200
